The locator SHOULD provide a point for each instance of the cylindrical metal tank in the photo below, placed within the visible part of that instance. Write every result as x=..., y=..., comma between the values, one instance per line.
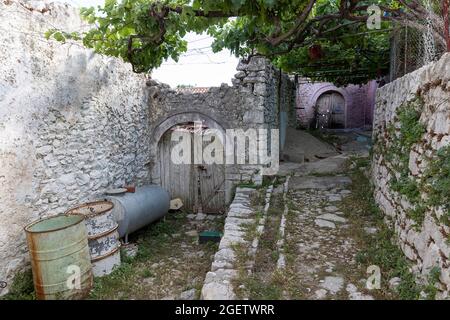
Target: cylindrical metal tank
x=60, y=257
x=133, y=211
x=104, y=243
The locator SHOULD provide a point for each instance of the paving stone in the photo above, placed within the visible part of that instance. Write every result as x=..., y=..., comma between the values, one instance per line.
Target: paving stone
x=320, y=294
x=324, y=223
x=370, y=230
x=333, y=284
x=188, y=295
x=192, y=233
x=332, y=217
x=360, y=296
x=318, y=182
x=394, y=283
x=334, y=198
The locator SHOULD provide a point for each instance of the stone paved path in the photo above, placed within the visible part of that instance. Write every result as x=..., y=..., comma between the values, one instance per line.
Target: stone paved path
x=321, y=243
x=303, y=245
x=319, y=236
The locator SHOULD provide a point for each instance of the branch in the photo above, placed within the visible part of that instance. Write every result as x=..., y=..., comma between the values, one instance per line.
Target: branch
x=274, y=41
x=209, y=14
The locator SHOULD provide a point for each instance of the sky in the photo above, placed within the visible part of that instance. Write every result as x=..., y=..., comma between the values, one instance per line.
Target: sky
x=198, y=67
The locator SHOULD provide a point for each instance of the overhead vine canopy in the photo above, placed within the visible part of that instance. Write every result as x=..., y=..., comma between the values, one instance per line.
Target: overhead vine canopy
x=321, y=39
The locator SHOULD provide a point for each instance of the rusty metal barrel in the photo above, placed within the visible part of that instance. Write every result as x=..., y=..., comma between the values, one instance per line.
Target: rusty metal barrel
x=60, y=258
x=103, y=235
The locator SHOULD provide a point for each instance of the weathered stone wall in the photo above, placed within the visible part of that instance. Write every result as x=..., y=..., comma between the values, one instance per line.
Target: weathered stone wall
x=72, y=123
x=420, y=222
x=258, y=95
x=359, y=102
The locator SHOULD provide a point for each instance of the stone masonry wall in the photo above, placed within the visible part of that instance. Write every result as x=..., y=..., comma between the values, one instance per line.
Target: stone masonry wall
x=359, y=101
x=72, y=124
x=254, y=101
x=423, y=238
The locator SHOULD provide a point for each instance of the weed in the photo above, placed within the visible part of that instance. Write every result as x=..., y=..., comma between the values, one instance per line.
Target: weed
x=379, y=249
x=22, y=287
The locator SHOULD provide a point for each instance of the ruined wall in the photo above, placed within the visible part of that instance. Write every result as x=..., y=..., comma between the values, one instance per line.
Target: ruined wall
x=359, y=102
x=258, y=95
x=72, y=123
x=411, y=166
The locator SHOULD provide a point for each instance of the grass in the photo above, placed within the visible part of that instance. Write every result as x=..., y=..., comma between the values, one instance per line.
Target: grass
x=22, y=287
x=264, y=282
x=380, y=249
x=164, y=265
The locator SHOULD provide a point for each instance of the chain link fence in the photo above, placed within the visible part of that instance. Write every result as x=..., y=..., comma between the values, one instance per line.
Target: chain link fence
x=414, y=47
x=411, y=49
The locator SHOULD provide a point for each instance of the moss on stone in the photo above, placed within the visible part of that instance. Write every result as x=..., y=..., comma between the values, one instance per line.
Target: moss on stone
x=433, y=188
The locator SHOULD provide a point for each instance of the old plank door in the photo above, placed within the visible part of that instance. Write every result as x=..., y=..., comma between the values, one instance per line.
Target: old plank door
x=176, y=179
x=338, y=110
x=200, y=186
x=212, y=178
x=332, y=106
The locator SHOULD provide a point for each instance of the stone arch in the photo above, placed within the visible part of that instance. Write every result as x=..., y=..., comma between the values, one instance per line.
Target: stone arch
x=158, y=134
x=184, y=117
x=332, y=88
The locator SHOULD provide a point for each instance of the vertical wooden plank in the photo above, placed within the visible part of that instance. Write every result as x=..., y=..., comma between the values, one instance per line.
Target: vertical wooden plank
x=212, y=180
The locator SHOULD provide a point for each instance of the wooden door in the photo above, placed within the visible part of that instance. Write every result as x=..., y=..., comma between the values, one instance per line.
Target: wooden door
x=337, y=111
x=323, y=111
x=201, y=187
x=331, y=110
x=176, y=179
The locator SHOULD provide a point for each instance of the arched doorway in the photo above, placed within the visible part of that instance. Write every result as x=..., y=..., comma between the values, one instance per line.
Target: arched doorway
x=200, y=186
x=330, y=110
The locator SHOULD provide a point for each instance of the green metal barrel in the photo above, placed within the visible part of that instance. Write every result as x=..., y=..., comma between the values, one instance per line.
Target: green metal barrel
x=60, y=257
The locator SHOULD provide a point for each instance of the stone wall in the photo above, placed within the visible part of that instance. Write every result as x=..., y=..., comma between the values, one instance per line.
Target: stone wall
x=359, y=102
x=72, y=123
x=412, y=185
x=256, y=100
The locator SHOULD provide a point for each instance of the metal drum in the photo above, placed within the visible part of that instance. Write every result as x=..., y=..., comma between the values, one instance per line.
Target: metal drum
x=104, y=243
x=60, y=258
x=136, y=210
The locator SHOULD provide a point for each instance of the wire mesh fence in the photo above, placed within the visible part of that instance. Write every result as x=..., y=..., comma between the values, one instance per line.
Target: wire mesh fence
x=411, y=49
x=417, y=44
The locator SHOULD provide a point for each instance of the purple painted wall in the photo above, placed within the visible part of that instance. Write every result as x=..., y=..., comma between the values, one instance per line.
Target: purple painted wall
x=359, y=102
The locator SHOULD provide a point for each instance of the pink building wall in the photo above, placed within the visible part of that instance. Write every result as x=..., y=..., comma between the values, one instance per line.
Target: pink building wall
x=359, y=102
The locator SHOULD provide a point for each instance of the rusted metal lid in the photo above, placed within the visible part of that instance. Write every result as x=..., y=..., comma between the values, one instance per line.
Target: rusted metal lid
x=92, y=209
x=51, y=224
x=117, y=191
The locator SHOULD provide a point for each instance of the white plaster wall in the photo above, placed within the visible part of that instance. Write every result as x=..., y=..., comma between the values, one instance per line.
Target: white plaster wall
x=72, y=123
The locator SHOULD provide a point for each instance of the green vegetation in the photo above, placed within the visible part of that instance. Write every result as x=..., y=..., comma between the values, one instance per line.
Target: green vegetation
x=397, y=153
x=380, y=249
x=437, y=182
x=263, y=282
x=166, y=263
x=22, y=287
x=432, y=188
x=320, y=39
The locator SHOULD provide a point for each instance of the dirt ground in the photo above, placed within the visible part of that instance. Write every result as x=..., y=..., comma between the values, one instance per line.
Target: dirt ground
x=170, y=263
